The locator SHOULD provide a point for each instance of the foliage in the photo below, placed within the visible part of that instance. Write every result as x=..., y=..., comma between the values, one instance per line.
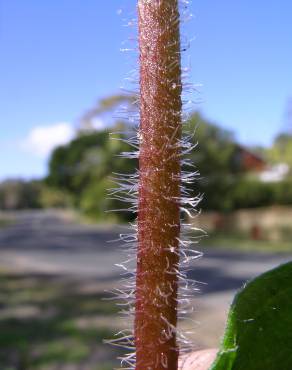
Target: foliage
x=251, y=193
x=215, y=157
x=281, y=150
x=20, y=194
x=84, y=168
x=85, y=165
x=96, y=202
x=54, y=198
x=71, y=166
x=211, y=140
x=223, y=180
x=258, y=333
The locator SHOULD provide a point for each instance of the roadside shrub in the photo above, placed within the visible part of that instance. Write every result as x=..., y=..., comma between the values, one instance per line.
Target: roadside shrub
x=284, y=192
x=20, y=194
x=55, y=198
x=253, y=193
x=95, y=202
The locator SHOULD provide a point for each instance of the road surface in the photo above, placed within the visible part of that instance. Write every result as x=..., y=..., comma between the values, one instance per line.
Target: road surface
x=50, y=243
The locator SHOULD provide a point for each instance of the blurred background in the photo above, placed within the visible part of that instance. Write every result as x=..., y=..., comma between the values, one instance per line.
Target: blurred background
x=61, y=116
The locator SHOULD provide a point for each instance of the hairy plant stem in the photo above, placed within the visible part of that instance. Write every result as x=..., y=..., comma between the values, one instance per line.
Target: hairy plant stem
x=159, y=185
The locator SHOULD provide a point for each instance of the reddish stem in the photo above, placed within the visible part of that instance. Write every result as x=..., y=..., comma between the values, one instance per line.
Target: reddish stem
x=159, y=185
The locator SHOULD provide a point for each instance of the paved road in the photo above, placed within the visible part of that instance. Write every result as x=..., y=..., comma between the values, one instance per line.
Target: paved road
x=50, y=243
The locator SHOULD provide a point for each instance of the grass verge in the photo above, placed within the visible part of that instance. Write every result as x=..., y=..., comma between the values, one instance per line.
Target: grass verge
x=51, y=322
x=242, y=243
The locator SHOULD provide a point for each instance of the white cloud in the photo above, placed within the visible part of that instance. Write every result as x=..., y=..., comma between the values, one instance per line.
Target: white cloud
x=95, y=124
x=41, y=140
x=98, y=124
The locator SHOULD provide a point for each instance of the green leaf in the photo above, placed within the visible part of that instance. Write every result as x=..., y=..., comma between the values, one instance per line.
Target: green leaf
x=258, y=335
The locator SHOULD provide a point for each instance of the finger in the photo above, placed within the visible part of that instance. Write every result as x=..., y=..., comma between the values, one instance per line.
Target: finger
x=199, y=360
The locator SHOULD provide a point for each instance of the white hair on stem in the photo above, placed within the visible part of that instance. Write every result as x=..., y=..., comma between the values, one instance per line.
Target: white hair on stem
x=126, y=191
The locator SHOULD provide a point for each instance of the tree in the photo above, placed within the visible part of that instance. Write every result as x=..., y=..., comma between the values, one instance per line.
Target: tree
x=215, y=157
x=85, y=165
x=20, y=194
x=281, y=150
x=70, y=167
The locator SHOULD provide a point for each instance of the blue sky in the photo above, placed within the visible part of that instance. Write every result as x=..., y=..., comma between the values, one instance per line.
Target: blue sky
x=58, y=57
